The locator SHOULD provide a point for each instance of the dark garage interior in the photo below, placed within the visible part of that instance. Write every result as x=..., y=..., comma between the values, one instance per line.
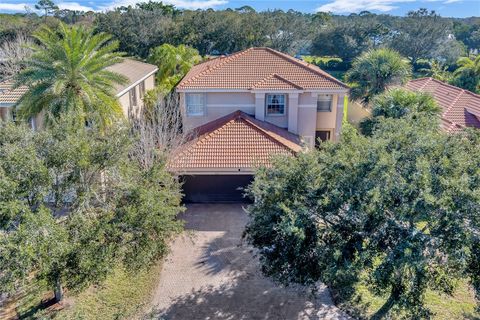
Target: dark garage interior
x=215, y=188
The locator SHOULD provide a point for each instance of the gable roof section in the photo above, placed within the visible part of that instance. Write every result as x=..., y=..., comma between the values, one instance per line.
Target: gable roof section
x=135, y=71
x=236, y=142
x=460, y=108
x=258, y=68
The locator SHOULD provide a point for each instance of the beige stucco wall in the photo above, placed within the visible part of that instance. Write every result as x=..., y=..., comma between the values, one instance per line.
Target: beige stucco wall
x=125, y=100
x=300, y=111
x=356, y=113
x=326, y=120
x=219, y=104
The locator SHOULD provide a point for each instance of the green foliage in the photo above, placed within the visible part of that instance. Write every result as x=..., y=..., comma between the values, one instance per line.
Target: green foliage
x=467, y=76
x=374, y=71
x=348, y=38
x=398, y=103
x=467, y=33
x=401, y=206
x=66, y=73
x=327, y=63
x=436, y=70
x=84, y=205
x=47, y=5
x=173, y=63
x=420, y=34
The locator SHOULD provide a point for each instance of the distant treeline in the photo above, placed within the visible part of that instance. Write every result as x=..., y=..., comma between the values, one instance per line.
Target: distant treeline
x=419, y=35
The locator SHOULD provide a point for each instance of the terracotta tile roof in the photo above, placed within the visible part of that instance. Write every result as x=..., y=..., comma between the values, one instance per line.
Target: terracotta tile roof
x=8, y=95
x=236, y=142
x=460, y=108
x=258, y=68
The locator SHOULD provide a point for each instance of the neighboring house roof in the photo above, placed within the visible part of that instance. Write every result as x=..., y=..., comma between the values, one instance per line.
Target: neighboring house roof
x=460, y=108
x=9, y=96
x=236, y=142
x=134, y=71
x=258, y=69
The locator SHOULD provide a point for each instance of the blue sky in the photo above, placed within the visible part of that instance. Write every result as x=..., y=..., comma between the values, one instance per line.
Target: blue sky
x=447, y=8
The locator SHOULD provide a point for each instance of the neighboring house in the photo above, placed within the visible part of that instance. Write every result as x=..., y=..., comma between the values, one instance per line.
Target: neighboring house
x=141, y=78
x=460, y=108
x=246, y=107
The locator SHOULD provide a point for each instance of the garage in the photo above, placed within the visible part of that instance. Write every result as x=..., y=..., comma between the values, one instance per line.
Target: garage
x=215, y=188
x=219, y=159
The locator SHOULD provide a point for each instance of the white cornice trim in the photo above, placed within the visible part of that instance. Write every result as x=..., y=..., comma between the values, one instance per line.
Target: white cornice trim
x=121, y=93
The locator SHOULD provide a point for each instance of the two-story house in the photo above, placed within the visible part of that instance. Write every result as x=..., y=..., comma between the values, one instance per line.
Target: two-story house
x=246, y=107
x=140, y=78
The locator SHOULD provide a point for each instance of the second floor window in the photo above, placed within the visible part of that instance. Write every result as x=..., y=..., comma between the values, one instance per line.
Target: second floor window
x=275, y=104
x=141, y=89
x=195, y=104
x=133, y=97
x=324, y=103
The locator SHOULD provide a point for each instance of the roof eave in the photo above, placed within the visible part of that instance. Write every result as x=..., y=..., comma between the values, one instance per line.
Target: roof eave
x=125, y=90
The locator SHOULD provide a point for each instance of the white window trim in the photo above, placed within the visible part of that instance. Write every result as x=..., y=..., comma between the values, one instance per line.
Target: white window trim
x=204, y=105
x=284, y=105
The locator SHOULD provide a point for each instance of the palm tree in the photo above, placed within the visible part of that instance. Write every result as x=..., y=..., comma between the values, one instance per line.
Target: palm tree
x=467, y=76
x=376, y=70
x=67, y=73
x=173, y=63
x=465, y=63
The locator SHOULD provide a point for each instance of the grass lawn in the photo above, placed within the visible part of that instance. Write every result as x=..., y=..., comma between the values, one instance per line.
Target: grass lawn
x=121, y=296
x=459, y=306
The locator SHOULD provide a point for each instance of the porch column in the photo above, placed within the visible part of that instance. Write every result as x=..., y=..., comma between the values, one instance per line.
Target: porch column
x=293, y=112
x=339, y=116
x=260, y=106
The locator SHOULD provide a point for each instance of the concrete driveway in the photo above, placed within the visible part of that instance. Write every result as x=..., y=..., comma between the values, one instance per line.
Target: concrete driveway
x=211, y=274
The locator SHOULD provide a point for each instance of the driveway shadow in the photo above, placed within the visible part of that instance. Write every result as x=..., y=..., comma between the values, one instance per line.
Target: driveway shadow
x=215, y=275
x=249, y=297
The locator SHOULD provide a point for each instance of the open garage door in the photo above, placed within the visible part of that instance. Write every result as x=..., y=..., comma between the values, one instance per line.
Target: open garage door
x=215, y=188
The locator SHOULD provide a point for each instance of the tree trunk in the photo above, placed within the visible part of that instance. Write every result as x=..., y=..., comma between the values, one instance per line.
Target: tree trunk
x=387, y=306
x=58, y=291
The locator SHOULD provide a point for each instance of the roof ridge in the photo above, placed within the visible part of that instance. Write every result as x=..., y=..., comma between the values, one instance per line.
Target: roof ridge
x=275, y=75
x=222, y=62
x=305, y=65
x=272, y=135
x=288, y=81
x=454, y=102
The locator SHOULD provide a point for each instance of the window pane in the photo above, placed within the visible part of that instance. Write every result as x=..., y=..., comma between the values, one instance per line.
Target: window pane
x=324, y=102
x=195, y=104
x=276, y=104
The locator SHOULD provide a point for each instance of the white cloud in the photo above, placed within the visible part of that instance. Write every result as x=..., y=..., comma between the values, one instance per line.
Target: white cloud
x=74, y=6
x=348, y=6
x=184, y=4
x=17, y=7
